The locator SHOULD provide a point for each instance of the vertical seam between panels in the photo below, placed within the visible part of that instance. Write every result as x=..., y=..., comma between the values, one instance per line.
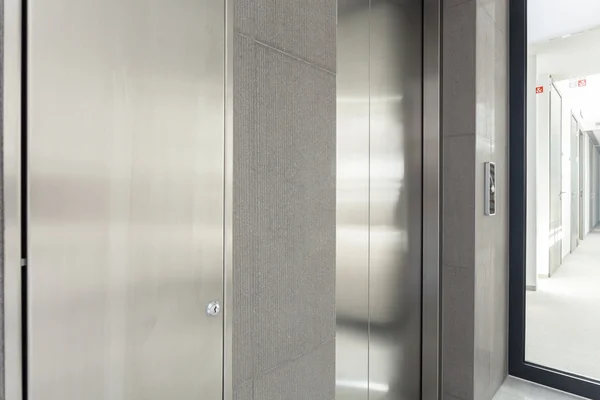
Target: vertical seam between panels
x=369, y=216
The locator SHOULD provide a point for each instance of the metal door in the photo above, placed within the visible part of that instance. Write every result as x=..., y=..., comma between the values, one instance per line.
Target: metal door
x=379, y=199
x=352, y=208
x=574, y=184
x=125, y=230
x=556, y=193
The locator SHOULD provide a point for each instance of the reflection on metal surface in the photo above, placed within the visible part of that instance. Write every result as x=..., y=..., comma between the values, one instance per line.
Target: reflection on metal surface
x=379, y=199
x=11, y=197
x=126, y=199
x=430, y=376
x=395, y=197
x=352, y=283
x=363, y=386
x=228, y=208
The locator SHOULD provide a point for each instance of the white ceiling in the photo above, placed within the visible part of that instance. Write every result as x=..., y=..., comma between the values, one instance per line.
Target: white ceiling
x=574, y=56
x=550, y=19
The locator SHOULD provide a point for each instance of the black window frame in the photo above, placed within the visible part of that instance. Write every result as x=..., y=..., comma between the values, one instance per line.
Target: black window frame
x=517, y=364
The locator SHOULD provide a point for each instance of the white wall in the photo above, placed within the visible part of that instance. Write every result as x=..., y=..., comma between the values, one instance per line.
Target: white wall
x=597, y=203
x=531, y=253
x=567, y=106
x=543, y=177
x=586, y=185
x=594, y=187
x=597, y=188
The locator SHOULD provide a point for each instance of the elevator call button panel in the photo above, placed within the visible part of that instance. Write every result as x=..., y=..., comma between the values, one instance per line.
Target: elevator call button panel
x=490, y=189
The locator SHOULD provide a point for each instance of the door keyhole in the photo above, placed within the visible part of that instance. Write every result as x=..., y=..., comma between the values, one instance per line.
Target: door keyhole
x=213, y=309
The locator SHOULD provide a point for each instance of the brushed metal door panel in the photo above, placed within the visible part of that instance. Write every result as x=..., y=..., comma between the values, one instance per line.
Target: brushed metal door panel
x=12, y=312
x=125, y=117
x=396, y=135
x=352, y=228
x=379, y=199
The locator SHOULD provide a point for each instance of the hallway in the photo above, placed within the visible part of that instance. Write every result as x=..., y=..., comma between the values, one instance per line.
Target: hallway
x=563, y=315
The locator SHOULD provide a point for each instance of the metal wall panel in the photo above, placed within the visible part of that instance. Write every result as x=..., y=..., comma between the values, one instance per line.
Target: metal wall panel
x=431, y=310
x=379, y=206
x=11, y=199
x=395, y=199
x=125, y=115
x=228, y=295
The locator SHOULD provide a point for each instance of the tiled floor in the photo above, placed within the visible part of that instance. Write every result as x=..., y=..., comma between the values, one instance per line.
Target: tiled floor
x=516, y=389
x=563, y=322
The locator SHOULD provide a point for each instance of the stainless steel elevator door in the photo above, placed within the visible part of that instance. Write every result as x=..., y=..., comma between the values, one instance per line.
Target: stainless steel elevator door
x=125, y=127
x=379, y=199
x=396, y=216
x=352, y=208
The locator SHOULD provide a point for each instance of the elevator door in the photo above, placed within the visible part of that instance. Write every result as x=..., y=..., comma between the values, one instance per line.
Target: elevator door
x=379, y=199
x=125, y=155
